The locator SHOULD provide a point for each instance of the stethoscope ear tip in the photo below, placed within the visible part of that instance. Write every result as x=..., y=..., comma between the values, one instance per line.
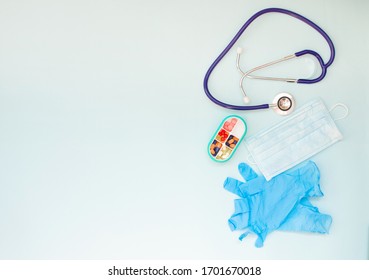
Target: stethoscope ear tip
x=246, y=100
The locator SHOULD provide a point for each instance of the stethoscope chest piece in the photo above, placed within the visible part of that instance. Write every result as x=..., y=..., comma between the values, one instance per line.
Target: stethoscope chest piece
x=283, y=104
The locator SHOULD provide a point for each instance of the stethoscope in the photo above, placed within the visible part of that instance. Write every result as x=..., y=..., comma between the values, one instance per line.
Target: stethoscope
x=283, y=103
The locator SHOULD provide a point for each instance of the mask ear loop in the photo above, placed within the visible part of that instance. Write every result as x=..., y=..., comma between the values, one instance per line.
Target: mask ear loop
x=250, y=159
x=344, y=107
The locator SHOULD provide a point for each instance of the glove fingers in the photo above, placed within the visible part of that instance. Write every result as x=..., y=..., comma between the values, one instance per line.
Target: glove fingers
x=234, y=186
x=239, y=221
x=241, y=216
x=246, y=172
x=260, y=241
x=254, y=186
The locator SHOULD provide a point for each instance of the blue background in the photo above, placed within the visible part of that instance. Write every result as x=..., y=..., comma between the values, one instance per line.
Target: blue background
x=104, y=126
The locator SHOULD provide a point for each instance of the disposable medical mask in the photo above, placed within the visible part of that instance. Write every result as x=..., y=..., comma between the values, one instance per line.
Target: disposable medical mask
x=308, y=131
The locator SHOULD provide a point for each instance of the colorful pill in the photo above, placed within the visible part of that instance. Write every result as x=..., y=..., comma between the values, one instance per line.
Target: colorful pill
x=227, y=125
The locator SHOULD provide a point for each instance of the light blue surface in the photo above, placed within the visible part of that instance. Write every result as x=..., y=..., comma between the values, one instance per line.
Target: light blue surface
x=104, y=126
x=279, y=204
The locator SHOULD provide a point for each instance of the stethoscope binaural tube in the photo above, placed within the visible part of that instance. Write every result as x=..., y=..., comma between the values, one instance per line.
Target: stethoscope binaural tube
x=323, y=65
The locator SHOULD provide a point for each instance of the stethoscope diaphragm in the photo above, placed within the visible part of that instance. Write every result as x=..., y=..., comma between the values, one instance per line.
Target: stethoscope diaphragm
x=283, y=104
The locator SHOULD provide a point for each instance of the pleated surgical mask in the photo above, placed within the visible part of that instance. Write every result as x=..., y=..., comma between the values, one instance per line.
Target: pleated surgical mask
x=308, y=131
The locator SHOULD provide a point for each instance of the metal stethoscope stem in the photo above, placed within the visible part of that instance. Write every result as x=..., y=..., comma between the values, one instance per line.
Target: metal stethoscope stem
x=246, y=74
x=283, y=103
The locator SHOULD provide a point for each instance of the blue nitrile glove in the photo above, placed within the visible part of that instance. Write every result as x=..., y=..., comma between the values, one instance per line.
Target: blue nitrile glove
x=306, y=217
x=280, y=203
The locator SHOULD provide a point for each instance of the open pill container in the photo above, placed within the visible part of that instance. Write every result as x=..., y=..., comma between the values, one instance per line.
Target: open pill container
x=227, y=138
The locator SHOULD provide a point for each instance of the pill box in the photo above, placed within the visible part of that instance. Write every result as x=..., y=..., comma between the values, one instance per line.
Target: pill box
x=227, y=138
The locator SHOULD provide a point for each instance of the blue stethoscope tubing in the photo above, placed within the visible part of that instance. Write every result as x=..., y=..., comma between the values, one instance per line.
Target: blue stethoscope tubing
x=323, y=65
